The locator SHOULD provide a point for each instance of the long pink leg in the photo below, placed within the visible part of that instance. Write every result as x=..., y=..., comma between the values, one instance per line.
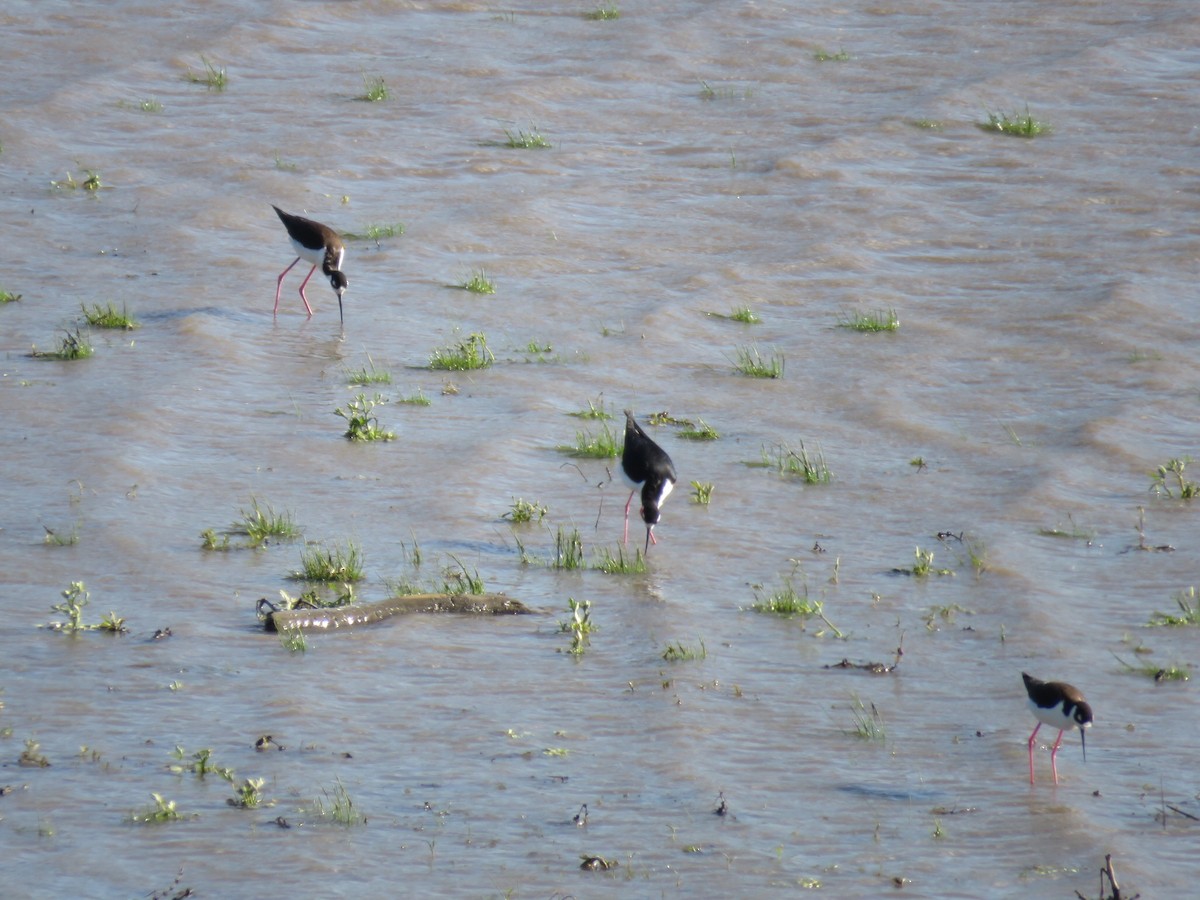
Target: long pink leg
x=302, y=284
x=1031, y=737
x=279, y=283
x=1054, y=753
x=625, y=540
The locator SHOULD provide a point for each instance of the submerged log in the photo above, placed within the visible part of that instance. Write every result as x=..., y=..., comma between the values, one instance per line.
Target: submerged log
x=327, y=619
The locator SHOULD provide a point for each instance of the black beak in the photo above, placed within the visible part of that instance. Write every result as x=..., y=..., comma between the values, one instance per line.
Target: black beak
x=1083, y=743
x=341, y=317
x=646, y=552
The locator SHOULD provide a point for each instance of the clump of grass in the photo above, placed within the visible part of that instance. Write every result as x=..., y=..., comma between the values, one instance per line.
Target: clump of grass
x=201, y=764
x=375, y=232
x=374, y=89
x=621, y=564
x=699, y=431
x=9, y=296
x=210, y=540
x=568, y=549
x=471, y=352
x=328, y=564
x=524, y=511
x=525, y=140
x=1158, y=673
x=681, y=652
x=868, y=724
x=595, y=446
x=702, y=492
x=928, y=124
x=1014, y=124
x=603, y=12
x=108, y=316
x=786, y=461
x=922, y=566
x=369, y=374
x=293, y=640
x=362, y=424
x=112, y=623
x=872, y=322
x=90, y=183
x=417, y=399
x=749, y=361
x=665, y=418
x=1071, y=532
x=1189, y=610
x=247, y=795
x=163, y=810
x=460, y=581
x=212, y=77
x=579, y=626
x=721, y=92
x=1169, y=479
x=788, y=602
x=260, y=525
x=821, y=55
x=74, y=345
x=338, y=807
x=937, y=616
x=595, y=410
x=479, y=283
x=61, y=538
x=32, y=756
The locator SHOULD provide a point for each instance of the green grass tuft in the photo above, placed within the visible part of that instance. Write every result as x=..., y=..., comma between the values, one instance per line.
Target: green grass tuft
x=595, y=410
x=1014, y=124
x=681, y=652
x=868, y=724
x=90, y=183
x=605, y=445
x=621, y=564
x=369, y=374
x=375, y=232
x=702, y=492
x=568, y=550
x=821, y=55
x=786, y=461
x=479, y=283
x=328, y=564
x=700, y=431
x=876, y=321
x=74, y=345
x=212, y=77
x=362, y=424
x=1189, y=611
x=9, y=297
x=260, y=525
x=524, y=511
x=750, y=362
x=525, y=140
x=603, y=13
x=108, y=316
x=579, y=626
x=374, y=90
x=470, y=353
x=1168, y=479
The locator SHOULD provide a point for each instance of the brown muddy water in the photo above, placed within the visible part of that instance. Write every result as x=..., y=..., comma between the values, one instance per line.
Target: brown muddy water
x=703, y=158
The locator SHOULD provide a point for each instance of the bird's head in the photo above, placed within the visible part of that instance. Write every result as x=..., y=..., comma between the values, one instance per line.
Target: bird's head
x=339, y=282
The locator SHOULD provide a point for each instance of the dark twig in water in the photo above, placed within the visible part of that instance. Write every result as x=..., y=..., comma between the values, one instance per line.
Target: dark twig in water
x=874, y=668
x=1107, y=872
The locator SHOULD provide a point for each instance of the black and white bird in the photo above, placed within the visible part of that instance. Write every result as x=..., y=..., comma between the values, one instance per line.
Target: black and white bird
x=320, y=245
x=645, y=467
x=1060, y=706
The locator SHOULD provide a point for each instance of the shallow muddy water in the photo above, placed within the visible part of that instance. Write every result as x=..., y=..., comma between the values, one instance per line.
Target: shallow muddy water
x=702, y=159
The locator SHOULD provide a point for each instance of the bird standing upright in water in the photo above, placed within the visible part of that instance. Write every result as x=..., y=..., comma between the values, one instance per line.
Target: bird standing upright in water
x=1060, y=706
x=645, y=467
x=320, y=245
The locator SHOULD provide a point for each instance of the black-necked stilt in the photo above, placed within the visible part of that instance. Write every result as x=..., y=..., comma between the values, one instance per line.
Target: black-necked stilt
x=645, y=467
x=1060, y=706
x=319, y=245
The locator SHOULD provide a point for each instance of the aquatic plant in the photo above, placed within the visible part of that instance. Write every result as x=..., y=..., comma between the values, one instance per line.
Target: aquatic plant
x=579, y=626
x=368, y=374
x=786, y=461
x=1169, y=479
x=603, y=12
x=595, y=446
x=9, y=296
x=327, y=564
x=91, y=183
x=699, y=431
x=212, y=77
x=470, y=353
x=874, y=321
x=681, y=652
x=260, y=525
x=1189, y=610
x=750, y=362
x=1014, y=124
x=821, y=55
x=163, y=810
x=74, y=345
x=568, y=549
x=526, y=140
x=702, y=492
x=595, y=410
x=338, y=807
x=523, y=511
x=362, y=424
x=108, y=316
x=479, y=283
x=374, y=89
x=868, y=725
x=621, y=564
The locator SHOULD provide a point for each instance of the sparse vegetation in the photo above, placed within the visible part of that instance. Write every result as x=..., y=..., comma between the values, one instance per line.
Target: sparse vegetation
x=9, y=297
x=212, y=77
x=1169, y=479
x=374, y=89
x=702, y=492
x=568, y=549
x=330, y=564
x=579, y=626
x=723, y=92
x=74, y=345
x=1014, y=124
x=375, y=232
x=621, y=564
x=868, y=724
x=369, y=374
x=90, y=183
x=605, y=445
x=699, y=431
x=108, y=316
x=525, y=140
x=260, y=525
x=821, y=55
x=338, y=807
x=681, y=652
x=595, y=410
x=786, y=461
x=1189, y=610
x=874, y=321
x=471, y=352
x=523, y=511
x=163, y=810
x=603, y=12
x=362, y=424
x=479, y=283
x=750, y=362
